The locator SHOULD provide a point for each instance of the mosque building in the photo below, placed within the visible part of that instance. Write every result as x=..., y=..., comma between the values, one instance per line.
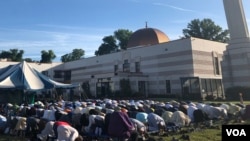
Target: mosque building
x=153, y=65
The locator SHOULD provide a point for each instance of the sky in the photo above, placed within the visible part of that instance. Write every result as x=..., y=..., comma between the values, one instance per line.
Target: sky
x=64, y=25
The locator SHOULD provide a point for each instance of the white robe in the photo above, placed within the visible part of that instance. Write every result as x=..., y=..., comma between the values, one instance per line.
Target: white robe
x=67, y=133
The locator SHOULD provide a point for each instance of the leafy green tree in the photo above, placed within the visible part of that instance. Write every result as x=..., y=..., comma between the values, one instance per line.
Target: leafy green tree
x=108, y=45
x=47, y=56
x=5, y=54
x=114, y=43
x=30, y=60
x=206, y=29
x=66, y=57
x=76, y=54
x=13, y=55
x=123, y=35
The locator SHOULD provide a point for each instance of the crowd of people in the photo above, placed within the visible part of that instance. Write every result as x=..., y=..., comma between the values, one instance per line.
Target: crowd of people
x=108, y=119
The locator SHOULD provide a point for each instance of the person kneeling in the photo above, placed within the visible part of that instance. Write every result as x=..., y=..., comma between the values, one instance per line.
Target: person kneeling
x=65, y=132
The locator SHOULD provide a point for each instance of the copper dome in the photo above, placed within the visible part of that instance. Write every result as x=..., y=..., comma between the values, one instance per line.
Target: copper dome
x=147, y=36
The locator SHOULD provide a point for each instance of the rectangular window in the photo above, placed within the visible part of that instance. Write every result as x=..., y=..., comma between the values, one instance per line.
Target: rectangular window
x=212, y=87
x=217, y=65
x=203, y=85
x=142, y=87
x=194, y=85
x=168, y=87
x=58, y=74
x=137, y=67
x=115, y=68
x=209, y=87
x=219, y=87
x=67, y=75
x=46, y=73
x=126, y=66
x=190, y=85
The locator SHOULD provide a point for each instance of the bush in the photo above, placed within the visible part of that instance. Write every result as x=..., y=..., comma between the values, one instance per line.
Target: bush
x=220, y=99
x=210, y=97
x=232, y=93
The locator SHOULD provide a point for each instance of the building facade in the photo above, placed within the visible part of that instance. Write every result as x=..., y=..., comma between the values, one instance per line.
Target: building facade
x=236, y=59
x=153, y=65
x=185, y=67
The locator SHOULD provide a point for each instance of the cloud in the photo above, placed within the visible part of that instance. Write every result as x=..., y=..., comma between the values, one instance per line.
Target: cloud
x=173, y=7
x=34, y=41
x=77, y=28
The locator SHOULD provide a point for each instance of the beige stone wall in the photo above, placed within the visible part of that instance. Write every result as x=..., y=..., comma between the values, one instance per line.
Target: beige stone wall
x=190, y=57
x=166, y=61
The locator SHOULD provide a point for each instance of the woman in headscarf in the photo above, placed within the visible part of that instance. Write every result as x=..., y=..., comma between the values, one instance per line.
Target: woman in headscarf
x=120, y=125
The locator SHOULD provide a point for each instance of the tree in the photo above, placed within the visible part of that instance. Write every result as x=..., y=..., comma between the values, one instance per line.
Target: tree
x=206, y=29
x=29, y=60
x=114, y=43
x=76, y=54
x=47, y=56
x=122, y=35
x=13, y=55
x=108, y=45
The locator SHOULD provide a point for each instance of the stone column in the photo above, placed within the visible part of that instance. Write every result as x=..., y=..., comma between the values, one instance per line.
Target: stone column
x=236, y=58
x=236, y=21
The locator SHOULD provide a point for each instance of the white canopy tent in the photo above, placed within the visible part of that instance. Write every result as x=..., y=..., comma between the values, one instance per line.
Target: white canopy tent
x=23, y=76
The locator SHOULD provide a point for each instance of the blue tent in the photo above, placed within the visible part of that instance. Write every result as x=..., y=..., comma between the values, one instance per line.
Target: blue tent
x=23, y=76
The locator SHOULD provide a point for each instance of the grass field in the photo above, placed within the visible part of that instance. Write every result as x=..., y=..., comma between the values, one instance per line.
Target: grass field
x=11, y=138
x=213, y=133
x=204, y=135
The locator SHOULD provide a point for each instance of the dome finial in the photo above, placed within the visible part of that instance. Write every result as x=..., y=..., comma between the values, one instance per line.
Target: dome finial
x=146, y=24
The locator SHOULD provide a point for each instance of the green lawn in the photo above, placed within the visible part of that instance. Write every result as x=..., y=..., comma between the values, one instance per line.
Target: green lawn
x=212, y=133
x=11, y=138
x=202, y=135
